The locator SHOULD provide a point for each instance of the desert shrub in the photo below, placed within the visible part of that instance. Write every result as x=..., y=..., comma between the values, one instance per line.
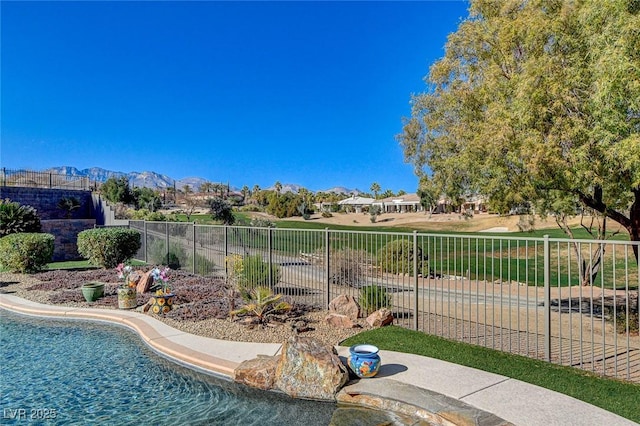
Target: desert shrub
x=261, y=302
x=144, y=214
x=16, y=218
x=304, y=211
x=374, y=211
x=374, y=297
x=397, y=256
x=250, y=208
x=624, y=323
x=347, y=266
x=175, y=258
x=204, y=266
x=327, y=214
x=251, y=271
x=26, y=252
x=107, y=247
x=259, y=222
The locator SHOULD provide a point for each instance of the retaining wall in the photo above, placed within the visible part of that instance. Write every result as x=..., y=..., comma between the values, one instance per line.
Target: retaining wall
x=45, y=201
x=66, y=233
x=54, y=220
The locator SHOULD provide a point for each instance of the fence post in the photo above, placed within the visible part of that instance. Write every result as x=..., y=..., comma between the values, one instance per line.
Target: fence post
x=50, y=181
x=166, y=228
x=194, y=246
x=4, y=176
x=226, y=250
x=270, y=256
x=327, y=274
x=415, y=280
x=146, y=242
x=226, y=241
x=547, y=299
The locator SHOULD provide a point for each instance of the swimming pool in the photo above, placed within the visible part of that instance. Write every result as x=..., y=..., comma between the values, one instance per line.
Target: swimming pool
x=75, y=373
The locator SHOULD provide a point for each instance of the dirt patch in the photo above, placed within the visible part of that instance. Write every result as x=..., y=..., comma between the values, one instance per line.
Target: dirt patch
x=422, y=221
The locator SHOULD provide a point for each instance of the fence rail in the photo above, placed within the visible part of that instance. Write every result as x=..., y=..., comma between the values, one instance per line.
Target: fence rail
x=569, y=302
x=31, y=179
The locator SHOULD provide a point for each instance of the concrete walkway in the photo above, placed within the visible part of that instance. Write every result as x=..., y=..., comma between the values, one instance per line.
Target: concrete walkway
x=465, y=395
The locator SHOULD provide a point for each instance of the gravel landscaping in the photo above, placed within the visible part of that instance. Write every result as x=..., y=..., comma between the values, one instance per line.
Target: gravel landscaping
x=202, y=305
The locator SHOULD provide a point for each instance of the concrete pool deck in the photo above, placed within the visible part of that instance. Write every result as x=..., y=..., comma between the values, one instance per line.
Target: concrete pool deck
x=465, y=395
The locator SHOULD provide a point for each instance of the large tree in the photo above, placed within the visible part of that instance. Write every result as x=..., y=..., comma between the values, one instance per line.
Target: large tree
x=117, y=190
x=536, y=102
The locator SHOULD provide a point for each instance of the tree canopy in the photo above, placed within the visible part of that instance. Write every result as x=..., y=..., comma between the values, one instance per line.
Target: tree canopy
x=536, y=102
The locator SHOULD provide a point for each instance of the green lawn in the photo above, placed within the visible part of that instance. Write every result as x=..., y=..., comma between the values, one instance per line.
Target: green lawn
x=615, y=396
x=81, y=264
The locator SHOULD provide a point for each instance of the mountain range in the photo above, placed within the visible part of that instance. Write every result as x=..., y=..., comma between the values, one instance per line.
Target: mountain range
x=155, y=180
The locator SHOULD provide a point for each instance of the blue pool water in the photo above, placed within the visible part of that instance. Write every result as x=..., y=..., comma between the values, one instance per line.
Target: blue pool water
x=77, y=373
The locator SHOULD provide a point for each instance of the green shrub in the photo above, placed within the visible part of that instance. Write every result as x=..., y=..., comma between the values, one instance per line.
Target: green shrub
x=145, y=214
x=374, y=297
x=68, y=205
x=16, y=218
x=255, y=273
x=26, y=252
x=204, y=266
x=107, y=247
x=174, y=259
x=397, y=257
x=250, y=208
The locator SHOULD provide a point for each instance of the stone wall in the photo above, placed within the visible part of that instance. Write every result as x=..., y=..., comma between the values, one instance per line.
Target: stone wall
x=66, y=233
x=45, y=201
x=53, y=219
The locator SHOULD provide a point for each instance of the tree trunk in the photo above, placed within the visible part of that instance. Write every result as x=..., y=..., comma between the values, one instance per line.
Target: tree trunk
x=634, y=219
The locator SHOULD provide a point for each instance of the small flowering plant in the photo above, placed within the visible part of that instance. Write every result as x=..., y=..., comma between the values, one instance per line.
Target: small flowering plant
x=161, y=278
x=123, y=273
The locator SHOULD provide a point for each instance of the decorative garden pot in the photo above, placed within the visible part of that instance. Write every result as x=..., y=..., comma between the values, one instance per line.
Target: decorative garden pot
x=364, y=360
x=161, y=304
x=92, y=291
x=127, y=298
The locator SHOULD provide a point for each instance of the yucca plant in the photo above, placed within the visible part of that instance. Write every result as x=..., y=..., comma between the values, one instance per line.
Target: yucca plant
x=261, y=302
x=16, y=218
x=68, y=205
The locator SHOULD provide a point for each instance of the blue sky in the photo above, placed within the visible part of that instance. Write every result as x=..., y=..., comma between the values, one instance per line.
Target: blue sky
x=309, y=93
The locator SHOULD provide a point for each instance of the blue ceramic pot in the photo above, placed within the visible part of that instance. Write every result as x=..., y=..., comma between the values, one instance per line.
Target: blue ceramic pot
x=364, y=360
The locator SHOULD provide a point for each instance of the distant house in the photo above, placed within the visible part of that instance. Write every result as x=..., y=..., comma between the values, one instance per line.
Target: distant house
x=355, y=204
x=475, y=204
x=470, y=204
x=400, y=204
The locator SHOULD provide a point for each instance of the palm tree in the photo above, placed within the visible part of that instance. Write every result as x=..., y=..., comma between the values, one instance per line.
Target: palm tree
x=245, y=191
x=206, y=187
x=278, y=186
x=375, y=188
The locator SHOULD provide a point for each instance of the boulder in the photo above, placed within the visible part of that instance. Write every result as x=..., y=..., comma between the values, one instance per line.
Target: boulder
x=380, y=318
x=339, y=321
x=258, y=372
x=300, y=326
x=308, y=369
x=144, y=282
x=345, y=305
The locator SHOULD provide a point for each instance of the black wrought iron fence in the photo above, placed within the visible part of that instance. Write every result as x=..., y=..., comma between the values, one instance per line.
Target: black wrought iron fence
x=33, y=179
x=570, y=302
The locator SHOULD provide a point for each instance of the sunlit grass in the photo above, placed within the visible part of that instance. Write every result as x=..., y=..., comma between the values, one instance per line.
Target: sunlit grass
x=612, y=395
